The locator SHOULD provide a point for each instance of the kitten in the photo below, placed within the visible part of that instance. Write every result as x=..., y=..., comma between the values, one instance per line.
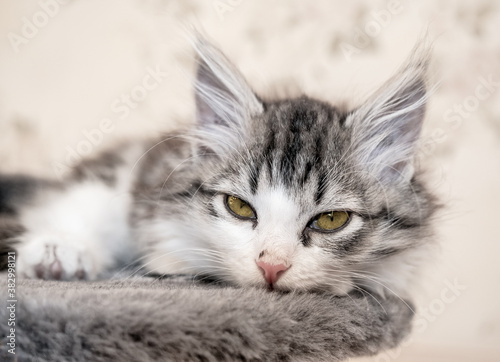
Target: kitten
x=293, y=194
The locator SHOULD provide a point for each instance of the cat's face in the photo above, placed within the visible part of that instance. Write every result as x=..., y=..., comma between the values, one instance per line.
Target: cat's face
x=309, y=204
x=299, y=195
x=302, y=200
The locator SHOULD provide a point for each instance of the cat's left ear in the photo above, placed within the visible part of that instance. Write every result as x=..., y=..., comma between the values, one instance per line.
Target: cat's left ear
x=386, y=129
x=223, y=98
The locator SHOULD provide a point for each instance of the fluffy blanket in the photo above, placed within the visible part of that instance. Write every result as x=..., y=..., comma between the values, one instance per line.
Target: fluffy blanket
x=180, y=319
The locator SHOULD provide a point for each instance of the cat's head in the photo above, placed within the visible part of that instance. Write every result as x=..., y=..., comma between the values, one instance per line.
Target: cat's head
x=304, y=195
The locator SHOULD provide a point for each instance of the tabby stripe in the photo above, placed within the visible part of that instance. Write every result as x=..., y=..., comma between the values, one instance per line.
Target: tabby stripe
x=350, y=244
x=211, y=210
x=395, y=221
x=268, y=153
x=254, y=177
x=342, y=117
x=196, y=188
x=305, y=240
x=321, y=188
x=307, y=171
x=383, y=253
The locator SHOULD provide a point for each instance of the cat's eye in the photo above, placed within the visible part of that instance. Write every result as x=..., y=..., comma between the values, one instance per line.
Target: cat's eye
x=239, y=208
x=330, y=221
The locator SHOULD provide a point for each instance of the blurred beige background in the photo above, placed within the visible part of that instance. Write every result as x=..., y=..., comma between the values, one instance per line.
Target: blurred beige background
x=73, y=80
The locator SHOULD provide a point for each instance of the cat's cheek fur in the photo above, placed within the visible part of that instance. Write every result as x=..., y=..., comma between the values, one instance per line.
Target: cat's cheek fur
x=236, y=243
x=398, y=274
x=177, y=245
x=312, y=270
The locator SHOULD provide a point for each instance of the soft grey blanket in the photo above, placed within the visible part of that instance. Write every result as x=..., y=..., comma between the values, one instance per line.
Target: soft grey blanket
x=178, y=319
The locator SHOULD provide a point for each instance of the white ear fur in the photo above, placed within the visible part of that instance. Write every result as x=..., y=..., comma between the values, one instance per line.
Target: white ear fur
x=224, y=101
x=222, y=94
x=387, y=127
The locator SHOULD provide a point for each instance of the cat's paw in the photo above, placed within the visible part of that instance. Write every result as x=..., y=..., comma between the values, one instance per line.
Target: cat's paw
x=53, y=258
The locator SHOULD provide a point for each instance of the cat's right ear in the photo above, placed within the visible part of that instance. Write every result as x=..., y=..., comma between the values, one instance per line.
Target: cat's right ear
x=223, y=98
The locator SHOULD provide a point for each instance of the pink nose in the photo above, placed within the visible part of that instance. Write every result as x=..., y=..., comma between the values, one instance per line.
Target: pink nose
x=272, y=272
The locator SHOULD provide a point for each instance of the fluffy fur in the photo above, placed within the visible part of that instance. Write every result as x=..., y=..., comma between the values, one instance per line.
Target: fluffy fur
x=291, y=159
x=178, y=320
x=162, y=201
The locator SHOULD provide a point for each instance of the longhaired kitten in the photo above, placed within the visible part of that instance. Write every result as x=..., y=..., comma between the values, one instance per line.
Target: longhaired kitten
x=292, y=194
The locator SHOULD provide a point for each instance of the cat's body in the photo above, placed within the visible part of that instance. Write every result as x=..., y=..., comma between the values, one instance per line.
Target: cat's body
x=286, y=164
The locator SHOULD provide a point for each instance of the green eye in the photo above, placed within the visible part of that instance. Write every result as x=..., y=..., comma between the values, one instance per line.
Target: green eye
x=239, y=208
x=330, y=221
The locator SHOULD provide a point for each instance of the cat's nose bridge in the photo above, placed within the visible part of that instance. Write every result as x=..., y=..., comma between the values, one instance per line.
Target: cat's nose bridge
x=276, y=250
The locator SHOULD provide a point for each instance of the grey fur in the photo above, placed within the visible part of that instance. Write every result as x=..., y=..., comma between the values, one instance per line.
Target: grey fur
x=178, y=320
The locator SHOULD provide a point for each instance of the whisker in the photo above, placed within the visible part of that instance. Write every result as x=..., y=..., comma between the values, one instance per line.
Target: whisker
x=379, y=282
x=159, y=256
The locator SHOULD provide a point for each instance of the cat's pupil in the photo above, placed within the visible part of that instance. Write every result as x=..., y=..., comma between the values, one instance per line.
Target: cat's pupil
x=239, y=204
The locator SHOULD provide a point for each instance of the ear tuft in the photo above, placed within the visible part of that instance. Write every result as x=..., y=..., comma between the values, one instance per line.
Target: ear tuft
x=386, y=129
x=222, y=95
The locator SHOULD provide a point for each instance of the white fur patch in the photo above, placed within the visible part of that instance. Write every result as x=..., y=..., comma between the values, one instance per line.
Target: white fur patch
x=86, y=225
